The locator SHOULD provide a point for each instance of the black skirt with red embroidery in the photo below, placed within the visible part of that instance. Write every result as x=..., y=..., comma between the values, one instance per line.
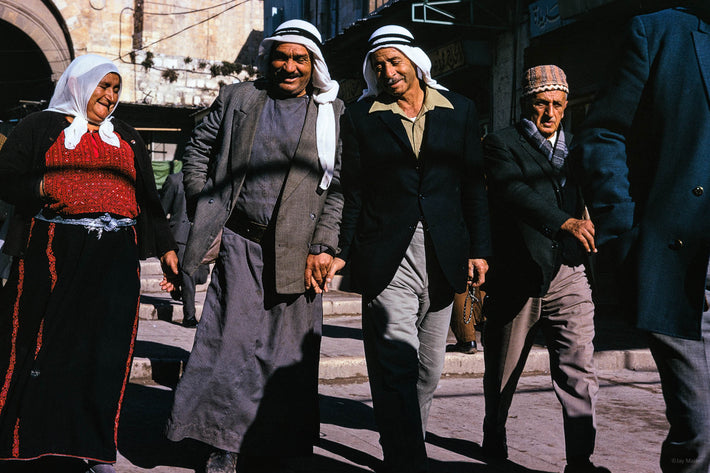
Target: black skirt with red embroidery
x=68, y=321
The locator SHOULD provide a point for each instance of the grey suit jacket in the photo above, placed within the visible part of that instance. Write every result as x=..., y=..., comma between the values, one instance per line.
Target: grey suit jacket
x=215, y=164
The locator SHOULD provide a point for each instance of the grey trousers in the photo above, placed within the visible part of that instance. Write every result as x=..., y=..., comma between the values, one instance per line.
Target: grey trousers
x=404, y=330
x=566, y=316
x=684, y=366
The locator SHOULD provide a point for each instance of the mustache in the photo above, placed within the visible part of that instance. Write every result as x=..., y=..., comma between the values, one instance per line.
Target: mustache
x=281, y=75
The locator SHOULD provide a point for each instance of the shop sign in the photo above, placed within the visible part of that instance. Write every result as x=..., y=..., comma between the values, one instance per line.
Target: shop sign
x=544, y=17
x=447, y=58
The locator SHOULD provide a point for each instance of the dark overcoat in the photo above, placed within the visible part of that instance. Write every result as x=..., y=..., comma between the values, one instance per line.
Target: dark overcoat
x=388, y=189
x=644, y=155
x=173, y=202
x=528, y=207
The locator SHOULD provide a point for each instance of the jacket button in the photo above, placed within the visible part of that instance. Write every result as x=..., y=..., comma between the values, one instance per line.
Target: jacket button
x=211, y=201
x=313, y=216
x=698, y=191
x=676, y=245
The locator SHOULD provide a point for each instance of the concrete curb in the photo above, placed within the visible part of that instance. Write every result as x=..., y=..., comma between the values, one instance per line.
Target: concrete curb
x=157, y=305
x=343, y=306
x=166, y=310
x=347, y=368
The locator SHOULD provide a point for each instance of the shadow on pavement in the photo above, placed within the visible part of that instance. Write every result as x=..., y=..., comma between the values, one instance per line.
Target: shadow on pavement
x=353, y=455
x=142, y=441
x=471, y=450
x=311, y=464
x=337, y=331
x=162, y=357
x=163, y=306
x=156, y=350
x=346, y=413
x=141, y=431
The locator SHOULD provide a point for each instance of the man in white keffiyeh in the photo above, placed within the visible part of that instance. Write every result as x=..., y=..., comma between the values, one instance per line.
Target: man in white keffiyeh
x=324, y=89
x=415, y=226
x=261, y=176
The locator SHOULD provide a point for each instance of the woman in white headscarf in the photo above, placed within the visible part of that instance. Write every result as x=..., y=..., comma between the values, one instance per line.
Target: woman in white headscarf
x=86, y=210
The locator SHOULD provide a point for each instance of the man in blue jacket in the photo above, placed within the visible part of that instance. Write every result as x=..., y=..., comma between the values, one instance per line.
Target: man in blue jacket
x=644, y=157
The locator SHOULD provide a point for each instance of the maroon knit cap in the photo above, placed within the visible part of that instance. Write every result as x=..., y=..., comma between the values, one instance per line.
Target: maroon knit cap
x=543, y=78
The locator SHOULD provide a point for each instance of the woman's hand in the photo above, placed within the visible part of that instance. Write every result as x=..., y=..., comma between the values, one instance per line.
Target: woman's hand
x=171, y=277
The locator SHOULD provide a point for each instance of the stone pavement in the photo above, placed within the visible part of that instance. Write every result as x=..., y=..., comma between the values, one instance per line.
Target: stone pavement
x=630, y=418
x=630, y=407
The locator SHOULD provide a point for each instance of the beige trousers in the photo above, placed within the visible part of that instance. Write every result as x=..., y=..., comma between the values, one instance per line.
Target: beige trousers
x=566, y=317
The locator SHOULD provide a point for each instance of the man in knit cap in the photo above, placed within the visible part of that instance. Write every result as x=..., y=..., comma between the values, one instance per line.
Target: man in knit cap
x=262, y=177
x=415, y=227
x=537, y=278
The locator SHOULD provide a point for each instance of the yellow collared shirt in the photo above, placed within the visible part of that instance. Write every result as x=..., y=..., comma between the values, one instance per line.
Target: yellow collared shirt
x=414, y=126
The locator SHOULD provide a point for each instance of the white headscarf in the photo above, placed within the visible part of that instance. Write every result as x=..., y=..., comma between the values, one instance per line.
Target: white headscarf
x=325, y=89
x=393, y=36
x=72, y=94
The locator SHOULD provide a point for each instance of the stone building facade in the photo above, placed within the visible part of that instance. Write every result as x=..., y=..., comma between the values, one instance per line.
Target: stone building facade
x=173, y=56
x=180, y=40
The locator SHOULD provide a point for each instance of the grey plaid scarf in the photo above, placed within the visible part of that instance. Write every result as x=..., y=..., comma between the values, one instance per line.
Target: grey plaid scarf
x=557, y=155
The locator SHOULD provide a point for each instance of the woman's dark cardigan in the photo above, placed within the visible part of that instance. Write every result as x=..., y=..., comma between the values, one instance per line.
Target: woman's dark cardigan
x=23, y=164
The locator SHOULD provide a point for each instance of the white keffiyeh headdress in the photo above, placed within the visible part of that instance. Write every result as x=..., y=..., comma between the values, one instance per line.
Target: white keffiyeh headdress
x=393, y=36
x=325, y=89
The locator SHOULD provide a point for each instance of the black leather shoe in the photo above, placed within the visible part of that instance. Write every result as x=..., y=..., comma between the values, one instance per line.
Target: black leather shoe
x=221, y=462
x=585, y=467
x=189, y=323
x=468, y=348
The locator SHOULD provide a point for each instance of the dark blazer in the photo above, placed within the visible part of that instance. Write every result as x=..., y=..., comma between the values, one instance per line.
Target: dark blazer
x=528, y=207
x=173, y=202
x=215, y=164
x=644, y=155
x=387, y=189
x=23, y=164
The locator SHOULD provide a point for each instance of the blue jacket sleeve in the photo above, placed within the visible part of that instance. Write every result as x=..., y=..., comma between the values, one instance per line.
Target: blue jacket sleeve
x=599, y=154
